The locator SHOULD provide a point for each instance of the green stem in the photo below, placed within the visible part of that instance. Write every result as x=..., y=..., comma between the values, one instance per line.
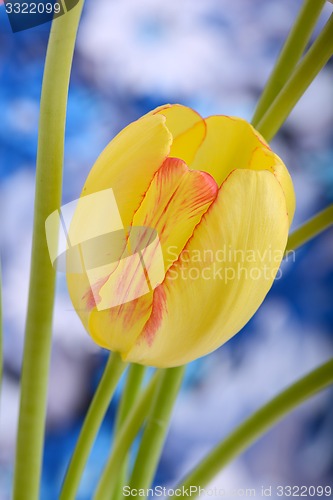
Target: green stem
x=37, y=348
x=156, y=429
x=292, y=51
x=305, y=72
x=310, y=229
x=255, y=426
x=98, y=407
x=130, y=394
x=124, y=439
x=131, y=390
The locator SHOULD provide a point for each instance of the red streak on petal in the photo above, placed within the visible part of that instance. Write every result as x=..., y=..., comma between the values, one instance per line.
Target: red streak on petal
x=133, y=311
x=156, y=317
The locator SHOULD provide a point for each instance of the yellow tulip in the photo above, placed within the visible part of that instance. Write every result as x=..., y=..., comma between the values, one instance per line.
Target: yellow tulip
x=221, y=203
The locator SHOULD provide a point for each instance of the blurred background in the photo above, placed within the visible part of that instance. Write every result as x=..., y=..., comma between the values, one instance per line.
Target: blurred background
x=215, y=56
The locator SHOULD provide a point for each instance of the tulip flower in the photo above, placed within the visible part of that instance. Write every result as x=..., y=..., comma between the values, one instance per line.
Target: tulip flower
x=220, y=202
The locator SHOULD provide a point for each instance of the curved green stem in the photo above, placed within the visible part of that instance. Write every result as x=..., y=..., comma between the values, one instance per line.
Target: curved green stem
x=156, y=429
x=38, y=332
x=291, y=52
x=130, y=394
x=124, y=439
x=255, y=426
x=99, y=405
x=310, y=229
x=305, y=72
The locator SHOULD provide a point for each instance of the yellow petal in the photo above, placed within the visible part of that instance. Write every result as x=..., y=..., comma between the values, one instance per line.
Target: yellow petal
x=281, y=173
x=128, y=163
x=222, y=276
x=232, y=143
x=179, y=118
x=266, y=159
x=188, y=130
x=174, y=204
x=229, y=144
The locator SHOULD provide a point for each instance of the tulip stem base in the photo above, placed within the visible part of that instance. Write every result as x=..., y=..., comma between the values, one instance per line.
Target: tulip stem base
x=156, y=428
x=131, y=391
x=124, y=438
x=255, y=426
x=98, y=407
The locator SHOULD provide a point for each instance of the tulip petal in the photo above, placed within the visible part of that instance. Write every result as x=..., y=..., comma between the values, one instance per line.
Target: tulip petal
x=129, y=162
x=232, y=143
x=266, y=159
x=222, y=275
x=188, y=130
x=228, y=145
x=136, y=153
x=179, y=118
x=174, y=204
